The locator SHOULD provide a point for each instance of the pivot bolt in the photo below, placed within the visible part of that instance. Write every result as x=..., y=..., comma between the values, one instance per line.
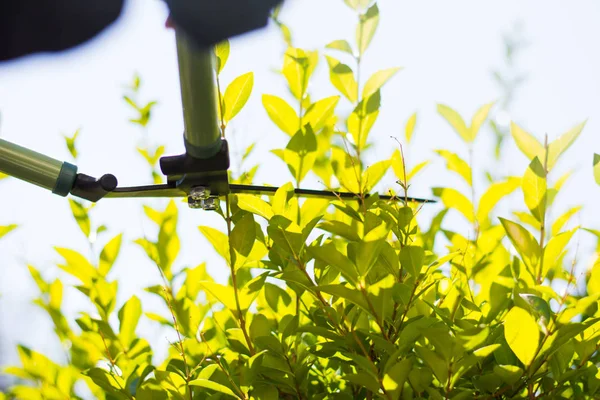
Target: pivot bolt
x=200, y=198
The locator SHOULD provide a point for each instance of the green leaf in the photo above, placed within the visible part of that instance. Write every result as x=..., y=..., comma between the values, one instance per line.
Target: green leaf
x=319, y=113
x=298, y=67
x=218, y=239
x=377, y=80
x=597, y=168
x=223, y=294
x=110, y=383
x=410, y=127
x=456, y=121
x=301, y=153
x=129, y=316
x=416, y=169
x=412, y=259
x=524, y=243
x=454, y=199
x=457, y=164
x=366, y=28
x=555, y=249
x=5, y=230
x=342, y=77
x=236, y=95
x=528, y=144
x=344, y=292
x=593, y=284
x=522, y=334
x=109, y=254
x=396, y=375
x=363, y=379
x=281, y=113
x=217, y=387
x=535, y=189
x=341, y=45
x=243, y=237
x=222, y=50
x=493, y=195
x=510, y=374
x=562, y=143
x=358, y=5
x=331, y=256
x=254, y=205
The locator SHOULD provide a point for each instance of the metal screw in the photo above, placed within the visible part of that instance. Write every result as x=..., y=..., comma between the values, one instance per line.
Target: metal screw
x=200, y=198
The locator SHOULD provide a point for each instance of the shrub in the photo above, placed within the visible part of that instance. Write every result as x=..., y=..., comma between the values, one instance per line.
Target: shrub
x=339, y=299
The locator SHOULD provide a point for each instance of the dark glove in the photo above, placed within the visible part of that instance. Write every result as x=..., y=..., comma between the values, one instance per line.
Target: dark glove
x=208, y=22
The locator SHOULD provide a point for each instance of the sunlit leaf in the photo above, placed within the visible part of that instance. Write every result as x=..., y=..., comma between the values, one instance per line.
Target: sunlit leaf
x=535, y=189
x=374, y=174
x=218, y=239
x=562, y=143
x=562, y=220
x=71, y=143
x=281, y=113
x=320, y=112
x=298, y=67
x=214, y=386
x=554, y=250
x=236, y=95
x=457, y=164
x=416, y=169
x=524, y=242
x=454, y=199
x=366, y=28
x=522, y=334
x=361, y=121
x=342, y=77
x=129, y=315
x=341, y=45
x=377, y=80
x=478, y=120
x=109, y=254
x=410, y=127
x=528, y=144
x=77, y=265
x=493, y=195
x=254, y=205
x=597, y=168
x=80, y=213
x=5, y=230
x=222, y=50
x=456, y=121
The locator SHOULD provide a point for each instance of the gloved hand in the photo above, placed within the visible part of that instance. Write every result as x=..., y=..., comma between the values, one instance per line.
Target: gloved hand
x=35, y=26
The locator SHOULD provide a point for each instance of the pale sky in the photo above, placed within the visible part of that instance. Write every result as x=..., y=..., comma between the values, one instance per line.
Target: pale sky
x=447, y=49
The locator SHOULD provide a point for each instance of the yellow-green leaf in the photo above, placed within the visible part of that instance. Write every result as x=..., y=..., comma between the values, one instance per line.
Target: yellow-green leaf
x=378, y=79
x=524, y=242
x=210, y=385
x=410, y=127
x=224, y=294
x=298, y=67
x=527, y=143
x=457, y=164
x=522, y=334
x=109, y=254
x=535, y=191
x=237, y=94
x=416, y=169
x=281, y=113
x=362, y=119
x=255, y=205
x=493, y=195
x=593, y=285
x=358, y=5
x=4, y=230
x=71, y=143
x=478, y=119
x=77, y=265
x=222, y=50
x=561, y=221
x=366, y=28
x=554, y=250
x=454, y=199
x=562, y=143
x=319, y=113
x=342, y=77
x=597, y=168
x=129, y=316
x=80, y=213
x=341, y=45
x=373, y=174
x=456, y=121
x=218, y=240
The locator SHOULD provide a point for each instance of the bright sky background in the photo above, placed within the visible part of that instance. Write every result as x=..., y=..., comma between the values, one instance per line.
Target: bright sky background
x=448, y=50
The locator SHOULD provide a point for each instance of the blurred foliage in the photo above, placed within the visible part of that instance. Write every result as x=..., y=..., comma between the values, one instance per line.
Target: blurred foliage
x=339, y=299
